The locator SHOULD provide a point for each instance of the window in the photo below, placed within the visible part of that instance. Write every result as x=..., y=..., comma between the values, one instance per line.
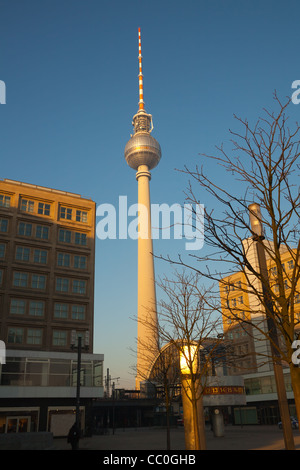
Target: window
x=17, y=307
x=297, y=299
x=38, y=281
x=78, y=312
x=66, y=213
x=273, y=271
x=34, y=336
x=20, y=279
x=1, y=276
x=81, y=216
x=25, y=229
x=27, y=205
x=22, y=253
x=3, y=225
x=80, y=262
x=2, y=250
x=42, y=232
x=40, y=256
x=4, y=200
x=59, y=338
x=78, y=287
x=291, y=264
x=36, y=308
x=62, y=284
x=43, y=209
x=240, y=299
x=60, y=310
x=233, y=302
x=80, y=239
x=64, y=236
x=63, y=259
x=242, y=315
x=15, y=335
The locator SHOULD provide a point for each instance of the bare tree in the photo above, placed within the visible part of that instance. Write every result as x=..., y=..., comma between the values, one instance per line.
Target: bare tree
x=263, y=165
x=186, y=320
x=161, y=380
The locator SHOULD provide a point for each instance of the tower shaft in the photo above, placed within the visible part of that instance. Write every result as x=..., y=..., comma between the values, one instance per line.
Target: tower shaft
x=147, y=315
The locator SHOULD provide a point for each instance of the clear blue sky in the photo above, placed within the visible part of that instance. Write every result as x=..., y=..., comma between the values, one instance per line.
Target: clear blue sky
x=71, y=72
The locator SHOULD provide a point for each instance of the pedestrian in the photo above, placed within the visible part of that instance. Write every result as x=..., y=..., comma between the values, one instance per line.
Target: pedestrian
x=73, y=436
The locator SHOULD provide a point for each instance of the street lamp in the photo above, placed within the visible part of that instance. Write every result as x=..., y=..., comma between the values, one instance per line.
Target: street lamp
x=78, y=346
x=191, y=398
x=258, y=237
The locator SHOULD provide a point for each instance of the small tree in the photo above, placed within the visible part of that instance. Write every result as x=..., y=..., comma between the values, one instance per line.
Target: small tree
x=186, y=320
x=163, y=375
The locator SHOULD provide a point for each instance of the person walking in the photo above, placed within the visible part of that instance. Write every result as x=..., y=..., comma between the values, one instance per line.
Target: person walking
x=73, y=436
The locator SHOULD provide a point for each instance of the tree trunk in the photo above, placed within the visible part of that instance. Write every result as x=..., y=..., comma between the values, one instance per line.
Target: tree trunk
x=295, y=378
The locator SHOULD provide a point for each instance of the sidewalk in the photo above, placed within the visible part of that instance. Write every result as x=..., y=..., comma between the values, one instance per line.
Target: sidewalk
x=235, y=438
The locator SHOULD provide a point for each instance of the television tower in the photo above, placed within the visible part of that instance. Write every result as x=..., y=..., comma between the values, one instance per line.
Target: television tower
x=143, y=153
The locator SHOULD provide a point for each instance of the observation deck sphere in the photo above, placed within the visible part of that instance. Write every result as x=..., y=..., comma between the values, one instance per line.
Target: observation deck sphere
x=142, y=149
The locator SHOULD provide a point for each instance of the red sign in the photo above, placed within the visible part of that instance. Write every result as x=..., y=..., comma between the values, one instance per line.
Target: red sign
x=228, y=390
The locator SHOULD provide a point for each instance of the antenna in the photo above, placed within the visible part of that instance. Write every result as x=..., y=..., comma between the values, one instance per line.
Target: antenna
x=141, y=86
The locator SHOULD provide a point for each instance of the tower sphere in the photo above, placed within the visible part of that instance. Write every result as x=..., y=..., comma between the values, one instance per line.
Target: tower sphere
x=142, y=149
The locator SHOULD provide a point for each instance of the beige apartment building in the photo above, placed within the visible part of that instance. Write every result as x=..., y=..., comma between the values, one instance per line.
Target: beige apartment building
x=47, y=264
x=47, y=252
x=250, y=349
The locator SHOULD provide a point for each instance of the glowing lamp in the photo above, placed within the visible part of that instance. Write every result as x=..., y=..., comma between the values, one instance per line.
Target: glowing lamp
x=188, y=359
x=256, y=219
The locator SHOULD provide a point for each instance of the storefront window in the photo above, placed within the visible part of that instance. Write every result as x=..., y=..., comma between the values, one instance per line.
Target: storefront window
x=50, y=372
x=59, y=373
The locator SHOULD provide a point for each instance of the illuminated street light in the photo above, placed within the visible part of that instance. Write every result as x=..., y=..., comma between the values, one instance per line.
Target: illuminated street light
x=256, y=220
x=193, y=417
x=188, y=359
x=258, y=237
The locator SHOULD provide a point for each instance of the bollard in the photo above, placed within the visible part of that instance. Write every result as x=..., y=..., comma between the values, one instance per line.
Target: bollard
x=218, y=423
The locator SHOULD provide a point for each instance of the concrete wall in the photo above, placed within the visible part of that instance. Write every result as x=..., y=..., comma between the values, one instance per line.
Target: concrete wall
x=27, y=441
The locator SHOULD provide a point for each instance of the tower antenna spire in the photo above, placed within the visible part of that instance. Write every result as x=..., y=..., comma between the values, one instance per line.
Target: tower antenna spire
x=141, y=84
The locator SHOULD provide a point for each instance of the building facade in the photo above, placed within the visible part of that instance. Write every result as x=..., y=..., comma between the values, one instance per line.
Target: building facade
x=244, y=324
x=47, y=264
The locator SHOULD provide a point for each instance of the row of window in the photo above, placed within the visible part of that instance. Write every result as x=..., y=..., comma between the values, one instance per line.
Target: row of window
x=288, y=265
x=242, y=315
x=42, y=232
x=239, y=316
x=39, y=282
x=286, y=285
x=34, y=336
x=50, y=372
x=36, y=308
x=43, y=208
x=232, y=287
x=232, y=303
x=40, y=256
x=236, y=334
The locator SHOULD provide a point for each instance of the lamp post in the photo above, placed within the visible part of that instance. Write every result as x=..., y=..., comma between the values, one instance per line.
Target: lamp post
x=258, y=237
x=191, y=398
x=79, y=349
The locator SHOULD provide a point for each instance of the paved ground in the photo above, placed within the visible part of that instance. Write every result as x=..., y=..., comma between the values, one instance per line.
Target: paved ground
x=235, y=438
